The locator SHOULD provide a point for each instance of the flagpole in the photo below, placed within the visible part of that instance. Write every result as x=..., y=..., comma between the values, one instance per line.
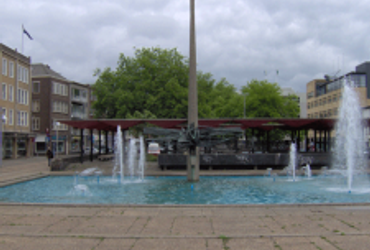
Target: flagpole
x=22, y=37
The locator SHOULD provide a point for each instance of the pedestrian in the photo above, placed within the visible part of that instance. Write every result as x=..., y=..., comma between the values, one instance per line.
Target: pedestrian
x=49, y=155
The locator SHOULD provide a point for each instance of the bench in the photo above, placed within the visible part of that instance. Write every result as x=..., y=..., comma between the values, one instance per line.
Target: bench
x=106, y=157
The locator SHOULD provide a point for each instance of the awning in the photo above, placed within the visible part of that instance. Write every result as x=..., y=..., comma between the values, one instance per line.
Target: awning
x=40, y=138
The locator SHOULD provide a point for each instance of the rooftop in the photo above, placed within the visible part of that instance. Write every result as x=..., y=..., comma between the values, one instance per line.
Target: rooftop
x=44, y=70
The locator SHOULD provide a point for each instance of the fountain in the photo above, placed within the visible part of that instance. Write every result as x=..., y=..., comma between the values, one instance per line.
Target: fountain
x=292, y=160
x=118, y=151
x=136, y=158
x=349, y=158
x=132, y=157
x=142, y=158
x=307, y=170
x=135, y=164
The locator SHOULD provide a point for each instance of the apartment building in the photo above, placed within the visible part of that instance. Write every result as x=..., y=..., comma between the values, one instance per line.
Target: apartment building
x=50, y=102
x=79, y=104
x=15, y=103
x=324, y=95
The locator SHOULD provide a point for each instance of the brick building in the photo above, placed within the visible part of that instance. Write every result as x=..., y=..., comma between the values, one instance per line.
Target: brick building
x=50, y=102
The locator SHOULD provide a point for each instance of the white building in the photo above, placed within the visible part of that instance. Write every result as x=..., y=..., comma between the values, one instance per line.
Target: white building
x=301, y=98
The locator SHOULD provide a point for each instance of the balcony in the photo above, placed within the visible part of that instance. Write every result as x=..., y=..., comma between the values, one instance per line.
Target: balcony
x=79, y=99
x=78, y=115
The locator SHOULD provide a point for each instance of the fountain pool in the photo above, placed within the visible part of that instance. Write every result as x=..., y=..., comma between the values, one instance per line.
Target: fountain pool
x=177, y=190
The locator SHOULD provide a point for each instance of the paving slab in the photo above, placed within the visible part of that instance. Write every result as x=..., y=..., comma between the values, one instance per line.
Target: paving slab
x=58, y=243
x=170, y=244
x=102, y=226
x=192, y=226
x=249, y=244
x=321, y=243
x=114, y=244
x=349, y=242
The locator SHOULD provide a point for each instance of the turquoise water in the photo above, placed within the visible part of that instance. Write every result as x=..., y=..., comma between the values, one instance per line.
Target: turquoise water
x=176, y=190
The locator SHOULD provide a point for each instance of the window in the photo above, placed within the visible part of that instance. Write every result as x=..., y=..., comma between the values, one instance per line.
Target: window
x=11, y=93
x=26, y=78
x=22, y=96
x=22, y=118
x=4, y=114
x=11, y=69
x=19, y=95
x=5, y=64
x=35, y=123
x=26, y=119
x=65, y=108
x=19, y=73
x=18, y=118
x=4, y=91
x=25, y=97
x=10, y=118
x=36, y=87
x=36, y=106
x=23, y=74
x=308, y=106
x=59, y=89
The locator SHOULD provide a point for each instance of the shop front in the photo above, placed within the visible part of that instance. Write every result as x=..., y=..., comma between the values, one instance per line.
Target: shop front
x=59, y=144
x=41, y=144
x=17, y=145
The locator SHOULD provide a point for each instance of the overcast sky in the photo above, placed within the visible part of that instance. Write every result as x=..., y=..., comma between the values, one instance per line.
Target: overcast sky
x=238, y=40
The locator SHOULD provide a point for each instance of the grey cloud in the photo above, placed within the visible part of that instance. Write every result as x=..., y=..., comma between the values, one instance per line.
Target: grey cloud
x=238, y=40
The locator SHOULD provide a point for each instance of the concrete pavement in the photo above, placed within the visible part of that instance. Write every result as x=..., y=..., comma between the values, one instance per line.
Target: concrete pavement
x=49, y=226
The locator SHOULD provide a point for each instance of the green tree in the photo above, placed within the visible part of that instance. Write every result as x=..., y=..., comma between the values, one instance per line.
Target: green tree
x=154, y=80
x=138, y=129
x=264, y=99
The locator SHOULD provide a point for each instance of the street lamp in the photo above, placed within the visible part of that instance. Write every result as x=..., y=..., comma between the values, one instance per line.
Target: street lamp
x=56, y=148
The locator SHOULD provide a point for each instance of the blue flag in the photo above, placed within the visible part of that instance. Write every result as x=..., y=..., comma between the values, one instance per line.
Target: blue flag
x=26, y=32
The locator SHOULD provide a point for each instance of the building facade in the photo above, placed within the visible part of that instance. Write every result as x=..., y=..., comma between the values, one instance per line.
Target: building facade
x=324, y=95
x=50, y=102
x=79, y=103
x=15, y=103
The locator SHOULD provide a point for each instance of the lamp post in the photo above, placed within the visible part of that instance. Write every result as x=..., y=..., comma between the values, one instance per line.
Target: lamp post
x=56, y=148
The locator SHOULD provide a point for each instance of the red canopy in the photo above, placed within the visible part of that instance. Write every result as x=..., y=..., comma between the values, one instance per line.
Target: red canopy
x=257, y=123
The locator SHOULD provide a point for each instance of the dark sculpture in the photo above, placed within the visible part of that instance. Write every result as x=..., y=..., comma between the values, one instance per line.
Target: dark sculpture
x=180, y=140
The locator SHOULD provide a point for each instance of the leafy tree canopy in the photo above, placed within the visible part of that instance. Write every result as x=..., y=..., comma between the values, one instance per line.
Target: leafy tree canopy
x=264, y=99
x=154, y=83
